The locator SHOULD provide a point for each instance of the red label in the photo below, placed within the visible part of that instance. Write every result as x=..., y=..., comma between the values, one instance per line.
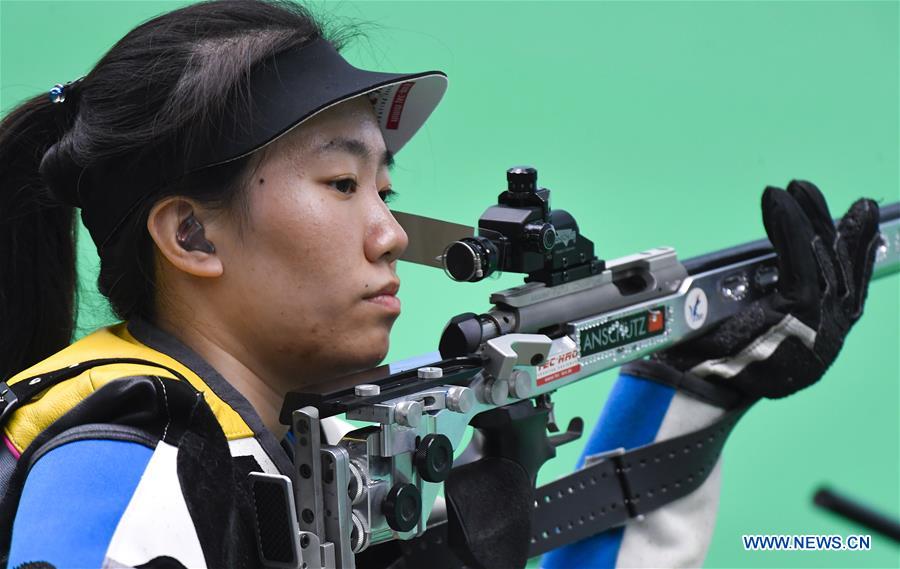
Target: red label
x=393, y=120
x=559, y=375
x=655, y=321
x=558, y=366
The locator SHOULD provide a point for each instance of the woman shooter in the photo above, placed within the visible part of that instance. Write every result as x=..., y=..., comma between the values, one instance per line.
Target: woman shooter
x=233, y=170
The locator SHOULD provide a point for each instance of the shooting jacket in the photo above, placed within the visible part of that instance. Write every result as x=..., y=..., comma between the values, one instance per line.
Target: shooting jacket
x=143, y=472
x=126, y=463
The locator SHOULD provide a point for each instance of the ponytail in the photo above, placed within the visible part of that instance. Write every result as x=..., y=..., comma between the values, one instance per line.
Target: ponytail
x=37, y=240
x=161, y=88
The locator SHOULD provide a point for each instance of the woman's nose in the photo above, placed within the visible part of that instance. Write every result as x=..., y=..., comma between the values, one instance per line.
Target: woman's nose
x=385, y=240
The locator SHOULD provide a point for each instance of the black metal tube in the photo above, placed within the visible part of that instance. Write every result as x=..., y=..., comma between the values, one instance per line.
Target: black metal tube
x=859, y=513
x=738, y=253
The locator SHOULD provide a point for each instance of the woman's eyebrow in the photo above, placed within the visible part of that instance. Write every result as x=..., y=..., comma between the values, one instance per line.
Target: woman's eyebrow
x=357, y=148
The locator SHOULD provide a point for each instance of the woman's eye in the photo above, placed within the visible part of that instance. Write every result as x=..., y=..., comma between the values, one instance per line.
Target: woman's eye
x=388, y=195
x=344, y=185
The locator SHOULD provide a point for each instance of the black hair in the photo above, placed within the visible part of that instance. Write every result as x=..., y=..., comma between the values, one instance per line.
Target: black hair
x=165, y=85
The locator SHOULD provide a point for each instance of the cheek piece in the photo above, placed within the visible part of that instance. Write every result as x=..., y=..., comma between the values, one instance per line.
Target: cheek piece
x=190, y=236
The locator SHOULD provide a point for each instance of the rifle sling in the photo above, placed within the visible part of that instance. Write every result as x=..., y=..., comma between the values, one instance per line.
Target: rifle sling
x=616, y=486
x=612, y=488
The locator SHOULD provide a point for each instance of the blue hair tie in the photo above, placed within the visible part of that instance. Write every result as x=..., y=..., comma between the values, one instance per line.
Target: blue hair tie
x=58, y=93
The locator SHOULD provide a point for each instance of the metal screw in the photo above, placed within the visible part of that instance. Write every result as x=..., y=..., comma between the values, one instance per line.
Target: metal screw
x=409, y=413
x=367, y=390
x=735, y=287
x=359, y=537
x=520, y=384
x=430, y=372
x=497, y=392
x=460, y=399
x=357, y=487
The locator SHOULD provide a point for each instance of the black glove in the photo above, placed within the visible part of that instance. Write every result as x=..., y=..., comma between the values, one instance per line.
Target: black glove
x=786, y=341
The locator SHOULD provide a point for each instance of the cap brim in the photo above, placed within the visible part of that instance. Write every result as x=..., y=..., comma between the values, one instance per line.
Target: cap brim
x=298, y=84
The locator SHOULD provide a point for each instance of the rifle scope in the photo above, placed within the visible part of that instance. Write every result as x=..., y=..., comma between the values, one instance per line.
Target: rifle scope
x=522, y=235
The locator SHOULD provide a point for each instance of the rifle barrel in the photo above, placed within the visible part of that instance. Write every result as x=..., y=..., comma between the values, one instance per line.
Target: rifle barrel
x=702, y=263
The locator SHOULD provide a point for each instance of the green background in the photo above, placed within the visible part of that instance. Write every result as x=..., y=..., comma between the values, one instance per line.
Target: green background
x=656, y=123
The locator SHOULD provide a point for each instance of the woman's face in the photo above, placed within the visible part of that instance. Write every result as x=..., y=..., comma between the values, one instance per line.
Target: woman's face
x=311, y=272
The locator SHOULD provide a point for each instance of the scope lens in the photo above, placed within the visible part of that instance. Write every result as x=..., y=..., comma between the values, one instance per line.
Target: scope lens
x=470, y=259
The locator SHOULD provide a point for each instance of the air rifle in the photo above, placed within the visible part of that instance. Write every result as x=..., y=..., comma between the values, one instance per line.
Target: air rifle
x=574, y=317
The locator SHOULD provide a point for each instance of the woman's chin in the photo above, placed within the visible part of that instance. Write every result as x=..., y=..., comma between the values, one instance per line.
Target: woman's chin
x=368, y=354
x=375, y=358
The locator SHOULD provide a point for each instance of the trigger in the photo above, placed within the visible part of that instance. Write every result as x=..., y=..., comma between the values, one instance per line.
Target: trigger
x=573, y=432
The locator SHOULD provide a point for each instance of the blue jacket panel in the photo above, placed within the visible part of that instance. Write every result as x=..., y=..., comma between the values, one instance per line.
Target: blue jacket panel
x=72, y=501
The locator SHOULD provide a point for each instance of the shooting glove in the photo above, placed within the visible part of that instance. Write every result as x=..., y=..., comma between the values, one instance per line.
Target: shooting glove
x=786, y=341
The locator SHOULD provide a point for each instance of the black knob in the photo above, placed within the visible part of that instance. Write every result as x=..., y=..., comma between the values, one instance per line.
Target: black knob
x=521, y=179
x=461, y=336
x=434, y=458
x=541, y=236
x=402, y=507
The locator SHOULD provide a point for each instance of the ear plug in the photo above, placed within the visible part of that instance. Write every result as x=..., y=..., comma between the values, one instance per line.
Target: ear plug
x=190, y=236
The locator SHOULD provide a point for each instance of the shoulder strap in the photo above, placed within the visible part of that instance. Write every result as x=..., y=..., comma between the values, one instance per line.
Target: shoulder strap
x=14, y=396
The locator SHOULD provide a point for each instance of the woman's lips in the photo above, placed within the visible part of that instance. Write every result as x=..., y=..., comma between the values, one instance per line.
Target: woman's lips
x=386, y=297
x=389, y=302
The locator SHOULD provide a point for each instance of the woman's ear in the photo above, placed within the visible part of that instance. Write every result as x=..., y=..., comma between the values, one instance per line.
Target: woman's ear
x=181, y=238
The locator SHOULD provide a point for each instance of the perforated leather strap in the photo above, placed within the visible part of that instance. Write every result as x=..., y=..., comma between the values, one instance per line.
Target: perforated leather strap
x=615, y=486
